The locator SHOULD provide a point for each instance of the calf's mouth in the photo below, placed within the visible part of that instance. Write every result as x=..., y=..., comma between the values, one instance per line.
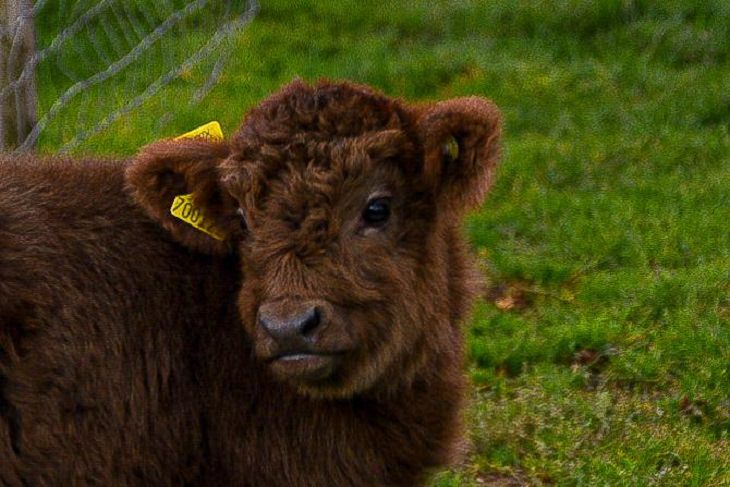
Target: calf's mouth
x=301, y=340
x=306, y=366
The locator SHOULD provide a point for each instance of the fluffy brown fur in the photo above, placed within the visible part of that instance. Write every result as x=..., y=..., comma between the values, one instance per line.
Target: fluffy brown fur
x=314, y=345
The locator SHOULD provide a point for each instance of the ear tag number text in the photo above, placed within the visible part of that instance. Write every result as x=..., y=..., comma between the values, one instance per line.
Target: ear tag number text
x=184, y=209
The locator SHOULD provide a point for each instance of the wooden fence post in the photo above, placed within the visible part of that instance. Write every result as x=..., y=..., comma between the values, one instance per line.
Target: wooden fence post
x=18, y=105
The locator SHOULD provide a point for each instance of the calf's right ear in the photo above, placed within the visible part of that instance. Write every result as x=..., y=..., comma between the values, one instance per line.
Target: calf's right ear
x=166, y=169
x=460, y=139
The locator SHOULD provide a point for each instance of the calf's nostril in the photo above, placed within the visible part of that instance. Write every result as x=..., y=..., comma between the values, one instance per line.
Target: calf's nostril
x=310, y=321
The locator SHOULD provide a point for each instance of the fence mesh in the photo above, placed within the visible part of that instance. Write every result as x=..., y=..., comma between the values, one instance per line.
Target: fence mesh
x=97, y=61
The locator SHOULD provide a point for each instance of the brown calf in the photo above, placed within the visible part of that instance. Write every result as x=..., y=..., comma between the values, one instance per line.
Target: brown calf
x=318, y=343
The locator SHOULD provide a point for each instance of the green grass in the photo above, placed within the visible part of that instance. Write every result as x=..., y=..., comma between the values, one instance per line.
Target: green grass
x=607, y=229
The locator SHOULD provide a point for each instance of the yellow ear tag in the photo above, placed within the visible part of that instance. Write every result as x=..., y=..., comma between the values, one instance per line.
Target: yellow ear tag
x=183, y=206
x=184, y=209
x=211, y=130
x=450, y=150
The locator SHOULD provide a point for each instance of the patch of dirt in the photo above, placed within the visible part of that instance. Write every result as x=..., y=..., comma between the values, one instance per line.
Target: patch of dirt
x=509, y=296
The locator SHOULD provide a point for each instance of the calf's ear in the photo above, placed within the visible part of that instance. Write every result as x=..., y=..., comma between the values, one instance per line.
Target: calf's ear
x=461, y=147
x=166, y=169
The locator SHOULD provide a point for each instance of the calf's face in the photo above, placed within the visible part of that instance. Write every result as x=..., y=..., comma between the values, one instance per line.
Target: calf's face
x=339, y=202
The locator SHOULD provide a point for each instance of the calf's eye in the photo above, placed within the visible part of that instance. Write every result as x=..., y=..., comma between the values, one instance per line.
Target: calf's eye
x=377, y=212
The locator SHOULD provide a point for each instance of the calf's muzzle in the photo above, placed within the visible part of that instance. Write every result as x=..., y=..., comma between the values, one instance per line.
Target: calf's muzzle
x=293, y=326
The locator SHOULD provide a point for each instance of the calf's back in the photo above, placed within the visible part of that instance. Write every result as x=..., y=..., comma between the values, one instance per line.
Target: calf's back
x=101, y=326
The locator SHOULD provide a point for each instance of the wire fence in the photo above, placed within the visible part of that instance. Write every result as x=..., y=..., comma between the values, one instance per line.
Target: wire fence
x=94, y=62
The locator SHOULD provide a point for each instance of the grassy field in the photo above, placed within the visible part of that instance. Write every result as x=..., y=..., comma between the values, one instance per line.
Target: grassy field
x=600, y=353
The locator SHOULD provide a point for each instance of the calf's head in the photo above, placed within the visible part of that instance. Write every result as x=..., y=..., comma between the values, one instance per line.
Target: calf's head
x=344, y=207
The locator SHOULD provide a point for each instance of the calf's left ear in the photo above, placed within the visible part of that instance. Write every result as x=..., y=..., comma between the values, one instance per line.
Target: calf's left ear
x=166, y=169
x=461, y=147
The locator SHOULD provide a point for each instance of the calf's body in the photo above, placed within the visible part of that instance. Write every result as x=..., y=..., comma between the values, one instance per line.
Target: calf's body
x=134, y=355
x=101, y=318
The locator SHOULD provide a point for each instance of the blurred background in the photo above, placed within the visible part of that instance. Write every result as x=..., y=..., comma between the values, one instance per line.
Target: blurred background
x=600, y=349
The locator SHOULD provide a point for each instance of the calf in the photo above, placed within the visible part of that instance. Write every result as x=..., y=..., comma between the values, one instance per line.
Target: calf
x=310, y=336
